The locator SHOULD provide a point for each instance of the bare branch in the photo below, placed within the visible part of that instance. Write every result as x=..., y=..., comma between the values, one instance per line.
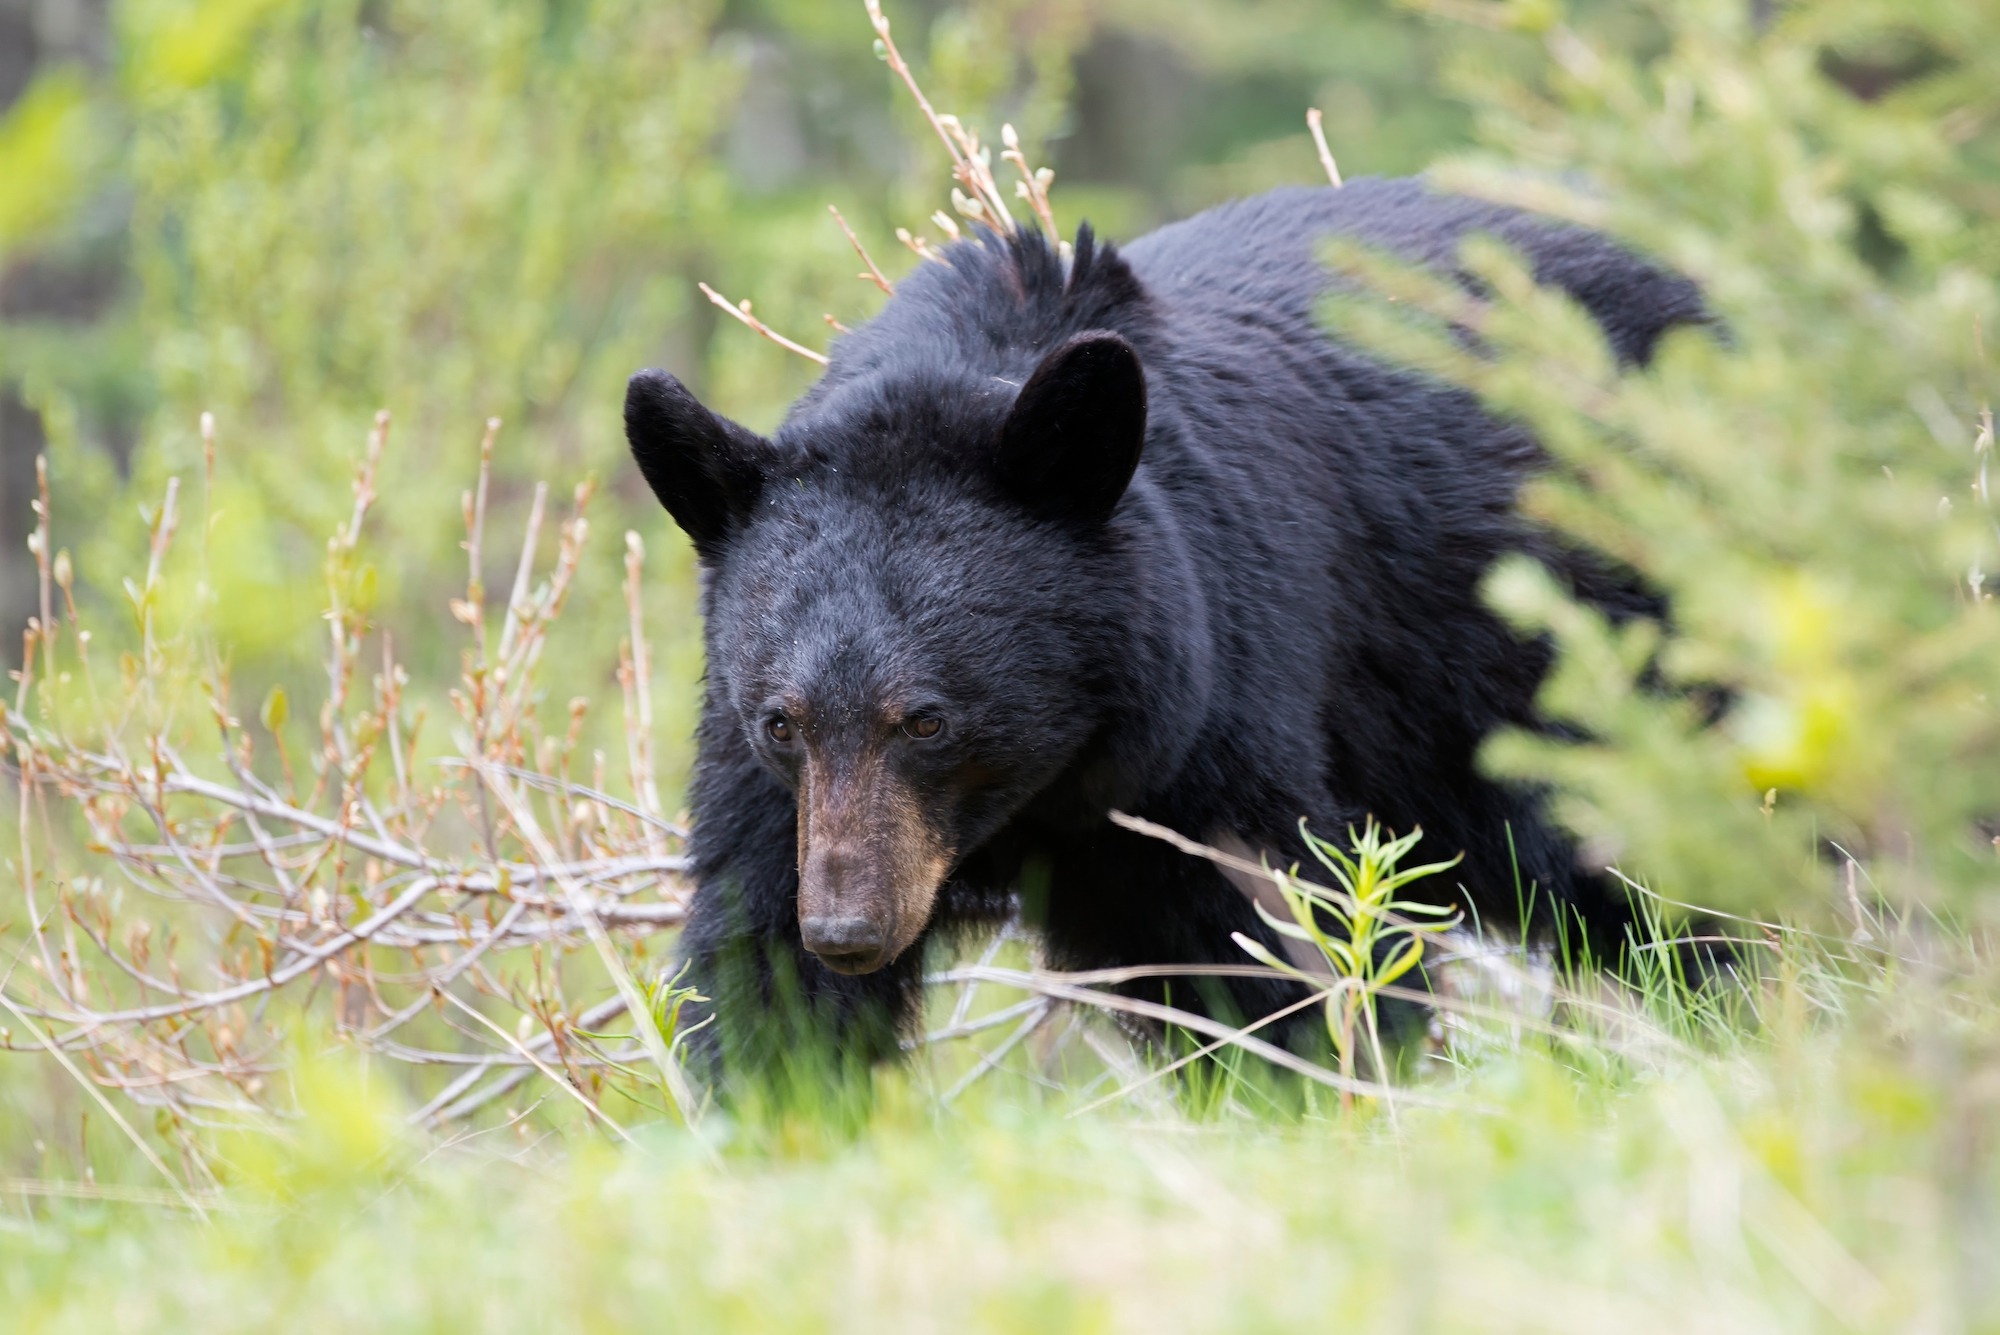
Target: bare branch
x=742, y=313
x=874, y=274
x=1313, y=120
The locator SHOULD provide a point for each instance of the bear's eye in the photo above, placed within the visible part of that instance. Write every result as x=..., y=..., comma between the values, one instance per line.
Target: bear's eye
x=780, y=728
x=923, y=727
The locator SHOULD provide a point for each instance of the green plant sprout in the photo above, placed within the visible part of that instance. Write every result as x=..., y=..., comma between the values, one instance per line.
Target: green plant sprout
x=666, y=997
x=1375, y=938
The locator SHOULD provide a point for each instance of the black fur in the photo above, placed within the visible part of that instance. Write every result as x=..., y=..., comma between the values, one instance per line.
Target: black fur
x=1278, y=617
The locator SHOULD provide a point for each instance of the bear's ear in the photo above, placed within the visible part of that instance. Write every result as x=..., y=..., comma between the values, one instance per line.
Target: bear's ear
x=1073, y=438
x=702, y=467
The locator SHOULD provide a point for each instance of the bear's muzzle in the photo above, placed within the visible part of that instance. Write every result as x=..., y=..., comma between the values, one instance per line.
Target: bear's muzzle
x=870, y=864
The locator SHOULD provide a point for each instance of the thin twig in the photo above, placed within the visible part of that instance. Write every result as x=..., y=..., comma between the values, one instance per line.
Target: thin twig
x=44, y=557
x=97, y=1191
x=1033, y=185
x=517, y=600
x=671, y=1075
x=639, y=726
x=902, y=69
x=919, y=247
x=1194, y=848
x=1313, y=120
x=874, y=273
x=554, y=1075
x=1133, y=1087
x=991, y=1060
x=443, y=1108
x=90, y=1087
x=1059, y=987
x=741, y=312
x=971, y=165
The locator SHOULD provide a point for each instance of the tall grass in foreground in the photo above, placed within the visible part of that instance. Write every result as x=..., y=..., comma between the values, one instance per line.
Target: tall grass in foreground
x=1582, y=1166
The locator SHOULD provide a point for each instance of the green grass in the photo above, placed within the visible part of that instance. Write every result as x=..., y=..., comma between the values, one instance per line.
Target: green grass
x=1826, y=1163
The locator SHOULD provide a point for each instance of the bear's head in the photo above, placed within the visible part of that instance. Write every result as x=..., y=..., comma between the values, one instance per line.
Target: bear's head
x=910, y=606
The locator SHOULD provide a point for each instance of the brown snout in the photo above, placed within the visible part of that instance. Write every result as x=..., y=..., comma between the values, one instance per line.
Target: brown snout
x=869, y=866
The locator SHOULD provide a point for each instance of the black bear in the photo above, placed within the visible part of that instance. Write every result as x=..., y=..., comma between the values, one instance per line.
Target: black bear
x=1055, y=538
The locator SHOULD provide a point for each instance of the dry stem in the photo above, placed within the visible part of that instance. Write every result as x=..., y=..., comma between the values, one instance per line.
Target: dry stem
x=741, y=311
x=364, y=892
x=1313, y=120
x=873, y=274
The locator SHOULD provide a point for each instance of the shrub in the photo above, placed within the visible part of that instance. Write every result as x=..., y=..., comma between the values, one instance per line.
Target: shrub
x=1808, y=482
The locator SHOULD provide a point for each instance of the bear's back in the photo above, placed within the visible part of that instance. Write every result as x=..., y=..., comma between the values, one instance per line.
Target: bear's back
x=1263, y=252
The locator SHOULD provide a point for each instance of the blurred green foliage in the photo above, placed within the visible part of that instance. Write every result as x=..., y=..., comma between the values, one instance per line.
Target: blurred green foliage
x=450, y=210
x=47, y=148
x=312, y=209
x=1809, y=483
x=1823, y=1191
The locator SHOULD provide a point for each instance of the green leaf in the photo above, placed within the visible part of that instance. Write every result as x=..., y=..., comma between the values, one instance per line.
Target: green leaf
x=275, y=711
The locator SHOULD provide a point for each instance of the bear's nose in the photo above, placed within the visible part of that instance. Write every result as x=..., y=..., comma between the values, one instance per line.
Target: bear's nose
x=846, y=944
